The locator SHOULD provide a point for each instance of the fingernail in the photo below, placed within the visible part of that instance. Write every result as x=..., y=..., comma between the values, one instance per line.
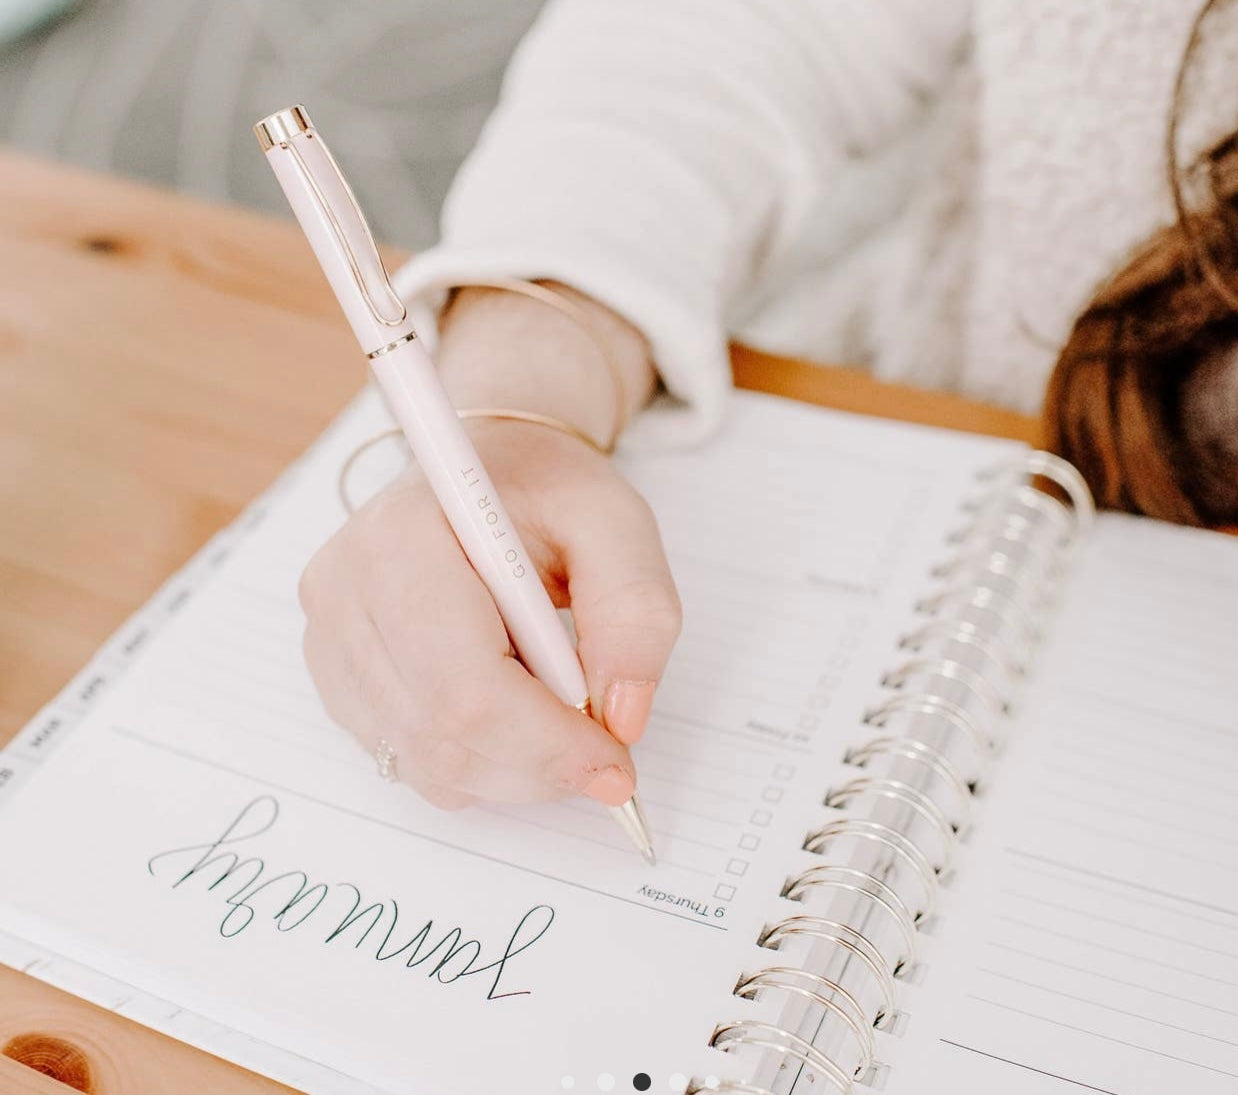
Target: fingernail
x=626, y=707
x=612, y=786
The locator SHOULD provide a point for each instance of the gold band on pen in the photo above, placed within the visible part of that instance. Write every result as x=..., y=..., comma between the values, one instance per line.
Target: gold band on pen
x=279, y=128
x=410, y=337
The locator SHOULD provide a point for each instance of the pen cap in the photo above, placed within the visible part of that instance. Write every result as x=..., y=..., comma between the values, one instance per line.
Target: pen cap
x=327, y=210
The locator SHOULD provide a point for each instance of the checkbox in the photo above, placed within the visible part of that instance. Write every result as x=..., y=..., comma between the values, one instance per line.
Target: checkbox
x=761, y=817
x=750, y=842
x=723, y=892
x=772, y=794
x=783, y=771
x=737, y=866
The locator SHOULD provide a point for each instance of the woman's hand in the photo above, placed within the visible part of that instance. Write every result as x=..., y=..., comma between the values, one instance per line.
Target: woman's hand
x=403, y=640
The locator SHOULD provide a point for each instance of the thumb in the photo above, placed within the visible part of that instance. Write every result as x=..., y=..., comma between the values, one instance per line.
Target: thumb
x=624, y=607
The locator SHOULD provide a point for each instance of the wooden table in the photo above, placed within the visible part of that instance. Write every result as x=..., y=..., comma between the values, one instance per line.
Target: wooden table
x=160, y=361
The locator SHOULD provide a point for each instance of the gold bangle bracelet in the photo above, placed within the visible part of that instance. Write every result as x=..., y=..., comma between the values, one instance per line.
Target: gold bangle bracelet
x=574, y=312
x=512, y=415
x=502, y=413
x=565, y=307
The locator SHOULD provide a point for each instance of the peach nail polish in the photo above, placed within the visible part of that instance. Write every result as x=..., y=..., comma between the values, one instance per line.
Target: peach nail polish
x=611, y=786
x=626, y=707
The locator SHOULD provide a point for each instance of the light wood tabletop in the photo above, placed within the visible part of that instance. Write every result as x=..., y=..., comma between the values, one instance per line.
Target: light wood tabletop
x=161, y=360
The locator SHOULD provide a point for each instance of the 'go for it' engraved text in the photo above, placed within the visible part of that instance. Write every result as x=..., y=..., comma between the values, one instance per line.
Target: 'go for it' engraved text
x=493, y=520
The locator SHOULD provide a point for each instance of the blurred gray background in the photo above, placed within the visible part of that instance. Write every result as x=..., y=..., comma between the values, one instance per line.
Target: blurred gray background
x=167, y=90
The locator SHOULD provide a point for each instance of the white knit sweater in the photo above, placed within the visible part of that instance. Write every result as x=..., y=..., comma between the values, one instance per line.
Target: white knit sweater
x=933, y=189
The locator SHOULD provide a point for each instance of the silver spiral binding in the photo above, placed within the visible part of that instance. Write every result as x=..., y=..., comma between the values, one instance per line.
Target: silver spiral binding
x=753, y=1032
x=788, y=978
x=900, y=817
x=1022, y=506
x=1066, y=476
x=981, y=592
x=863, y=829
x=845, y=937
x=862, y=884
x=920, y=753
x=966, y=635
x=926, y=703
x=1019, y=558
x=954, y=670
x=902, y=794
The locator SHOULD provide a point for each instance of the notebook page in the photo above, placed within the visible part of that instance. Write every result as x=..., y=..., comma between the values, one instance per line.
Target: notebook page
x=219, y=844
x=1092, y=943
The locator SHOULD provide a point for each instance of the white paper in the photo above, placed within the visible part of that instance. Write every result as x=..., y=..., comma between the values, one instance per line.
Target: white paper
x=195, y=746
x=1092, y=943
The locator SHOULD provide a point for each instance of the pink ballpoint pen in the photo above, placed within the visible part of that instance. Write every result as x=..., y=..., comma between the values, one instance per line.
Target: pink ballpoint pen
x=328, y=212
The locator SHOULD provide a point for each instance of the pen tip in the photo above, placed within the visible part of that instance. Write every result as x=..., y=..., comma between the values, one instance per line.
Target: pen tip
x=631, y=819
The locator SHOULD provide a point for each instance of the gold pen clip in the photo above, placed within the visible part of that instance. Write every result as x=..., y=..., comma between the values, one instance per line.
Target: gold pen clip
x=291, y=129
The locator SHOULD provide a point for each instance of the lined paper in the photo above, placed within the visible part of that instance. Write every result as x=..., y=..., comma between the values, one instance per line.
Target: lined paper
x=1094, y=942
x=222, y=846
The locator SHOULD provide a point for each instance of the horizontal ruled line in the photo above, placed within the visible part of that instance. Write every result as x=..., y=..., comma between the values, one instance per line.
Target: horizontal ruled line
x=1075, y=938
x=1141, y=887
x=1155, y=990
x=1107, y=1007
x=1029, y=1068
x=1103, y=1037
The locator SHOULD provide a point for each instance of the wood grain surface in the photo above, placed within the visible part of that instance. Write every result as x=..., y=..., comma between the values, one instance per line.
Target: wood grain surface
x=161, y=360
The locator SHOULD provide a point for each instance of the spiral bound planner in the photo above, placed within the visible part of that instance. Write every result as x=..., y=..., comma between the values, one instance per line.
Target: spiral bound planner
x=939, y=776
x=892, y=827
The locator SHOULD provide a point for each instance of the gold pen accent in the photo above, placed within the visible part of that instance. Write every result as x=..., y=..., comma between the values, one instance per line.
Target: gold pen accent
x=631, y=818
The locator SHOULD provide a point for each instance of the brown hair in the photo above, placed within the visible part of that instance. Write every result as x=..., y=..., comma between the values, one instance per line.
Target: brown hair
x=1136, y=356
